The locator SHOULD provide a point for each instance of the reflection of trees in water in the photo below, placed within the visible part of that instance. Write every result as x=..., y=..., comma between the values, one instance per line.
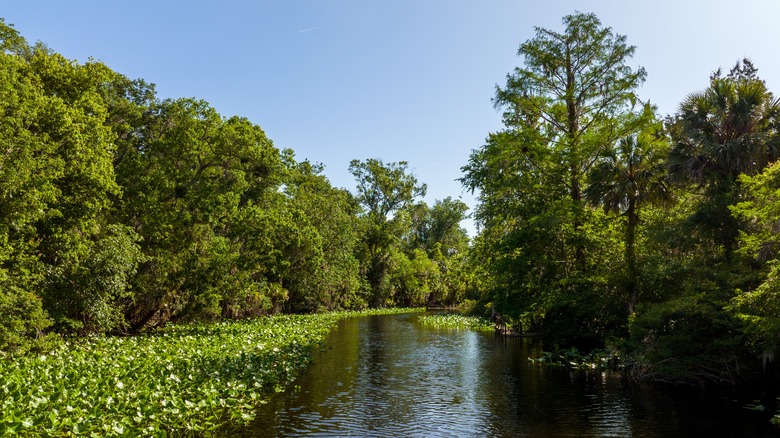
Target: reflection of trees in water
x=387, y=375
x=371, y=403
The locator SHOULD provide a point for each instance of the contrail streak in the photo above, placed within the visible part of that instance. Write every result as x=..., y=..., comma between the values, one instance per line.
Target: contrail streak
x=310, y=29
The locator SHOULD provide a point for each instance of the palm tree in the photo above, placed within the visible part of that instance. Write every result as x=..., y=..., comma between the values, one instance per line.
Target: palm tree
x=625, y=178
x=726, y=130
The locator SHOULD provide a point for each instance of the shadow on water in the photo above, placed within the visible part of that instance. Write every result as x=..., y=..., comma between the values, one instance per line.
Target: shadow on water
x=389, y=376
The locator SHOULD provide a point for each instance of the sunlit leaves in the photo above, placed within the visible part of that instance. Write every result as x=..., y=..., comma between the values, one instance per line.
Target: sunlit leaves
x=759, y=308
x=728, y=129
x=545, y=253
x=196, y=378
x=180, y=378
x=456, y=321
x=385, y=191
x=57, y=181
x=191, y=178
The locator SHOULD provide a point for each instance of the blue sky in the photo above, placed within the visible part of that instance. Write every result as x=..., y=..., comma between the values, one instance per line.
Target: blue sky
x=337, y=80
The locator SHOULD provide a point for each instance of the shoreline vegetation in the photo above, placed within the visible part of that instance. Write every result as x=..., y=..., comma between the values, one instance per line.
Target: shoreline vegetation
x=189, y=378
x=602, y=224
x=456, y=321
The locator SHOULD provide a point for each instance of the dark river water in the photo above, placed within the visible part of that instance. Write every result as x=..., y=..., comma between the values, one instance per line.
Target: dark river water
x=390, y=376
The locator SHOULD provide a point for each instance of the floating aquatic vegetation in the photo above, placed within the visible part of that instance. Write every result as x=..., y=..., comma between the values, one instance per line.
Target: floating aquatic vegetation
x=456, y=321
x=183, y=378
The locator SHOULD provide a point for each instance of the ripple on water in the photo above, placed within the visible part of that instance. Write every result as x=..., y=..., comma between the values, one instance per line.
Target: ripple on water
x=386, y=376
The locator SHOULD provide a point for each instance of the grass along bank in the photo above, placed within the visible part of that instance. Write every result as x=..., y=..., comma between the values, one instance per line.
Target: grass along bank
x=456, y=321
x=183, y=378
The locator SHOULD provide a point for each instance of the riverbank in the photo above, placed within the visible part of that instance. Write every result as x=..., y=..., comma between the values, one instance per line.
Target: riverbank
x=193, y=378
x=457, y=321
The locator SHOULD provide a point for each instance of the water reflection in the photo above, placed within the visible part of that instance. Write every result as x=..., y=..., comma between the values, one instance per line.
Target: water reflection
x=388, y=376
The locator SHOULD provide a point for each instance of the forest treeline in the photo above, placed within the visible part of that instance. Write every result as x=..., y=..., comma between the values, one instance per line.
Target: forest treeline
x=121, y=211
x=602, y=224
x=607, y=225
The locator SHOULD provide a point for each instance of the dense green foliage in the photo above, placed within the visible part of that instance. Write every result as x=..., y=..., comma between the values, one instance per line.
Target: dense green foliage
x=181, y=378
x=603, y=227
x=120, y=212
x=410, y=254
x=759, y=307
x=601, y=223
x=195, y=377
x=563, y=111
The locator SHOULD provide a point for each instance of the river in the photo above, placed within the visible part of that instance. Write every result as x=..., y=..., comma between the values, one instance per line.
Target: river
x=391, y=376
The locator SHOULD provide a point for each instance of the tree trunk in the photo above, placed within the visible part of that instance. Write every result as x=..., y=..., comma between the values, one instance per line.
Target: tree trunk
x=631, y=281
x=573, y=128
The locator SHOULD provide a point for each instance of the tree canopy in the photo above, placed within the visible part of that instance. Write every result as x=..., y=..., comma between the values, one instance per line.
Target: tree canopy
x=601, y=223
x=567, y=106
x=121, y=211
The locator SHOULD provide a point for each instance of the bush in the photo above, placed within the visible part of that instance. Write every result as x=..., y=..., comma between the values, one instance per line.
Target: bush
x=686, y=340
x=22, y=321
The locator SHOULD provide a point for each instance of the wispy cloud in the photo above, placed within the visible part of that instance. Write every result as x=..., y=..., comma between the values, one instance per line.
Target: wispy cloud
x=310, y=29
